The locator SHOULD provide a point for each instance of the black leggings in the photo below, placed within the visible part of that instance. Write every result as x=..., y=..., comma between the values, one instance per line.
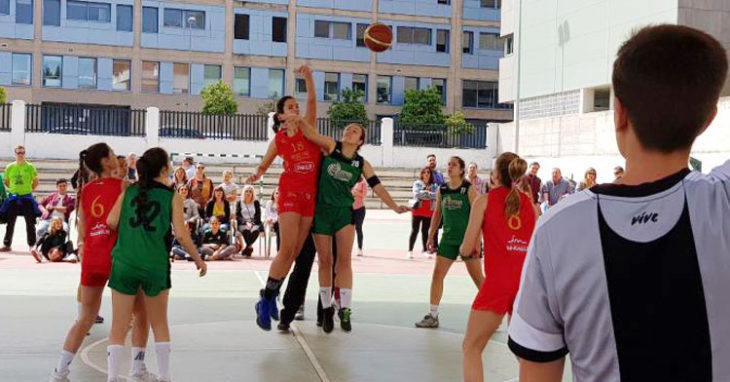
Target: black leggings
x=358, y=217
x=425, y=223
x=250, y=236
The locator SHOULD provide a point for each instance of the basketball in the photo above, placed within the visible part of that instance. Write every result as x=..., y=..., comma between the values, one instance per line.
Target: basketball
x=378, y=37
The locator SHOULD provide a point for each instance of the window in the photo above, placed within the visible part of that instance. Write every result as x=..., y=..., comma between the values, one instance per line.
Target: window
x=150, y=76
x=601, y=99
x=86, y=11
x=411, y=83
x=321, y=29
x=490, y=41
x=300, y=89
x=278, y=29
x=342, y=31
x=51, y=11
x=360, y=82
x=4, y=7
x=466, y=42
x=241, y=27
x=509, y=44
x=440, y=85
x=124, y=18
x=480, y=94
x=331, y=86
x=360, y=39
x=384, y=89
x=445, y=2
x=211, y=74
x=21, y=69
x=24, y=11
x=180, y=78
x=276, y=83
x=496, y=4
x=87, y=73
x=442, y=41
x=149, y=20
x=331, y=29
x=241, y=81
x=52, y=71
x=412, y=35
x=121, y=75
x=178, y=18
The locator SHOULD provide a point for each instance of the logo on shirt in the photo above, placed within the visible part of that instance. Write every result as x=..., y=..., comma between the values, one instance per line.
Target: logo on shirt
x=355, y=163
x=304, y=167
x=516, y=245
x=645, y=218
x=100, y=230
x=335, y=171
x=452, y=204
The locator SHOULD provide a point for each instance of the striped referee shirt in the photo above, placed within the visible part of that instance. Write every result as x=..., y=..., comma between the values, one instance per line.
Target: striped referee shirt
x=632, y=281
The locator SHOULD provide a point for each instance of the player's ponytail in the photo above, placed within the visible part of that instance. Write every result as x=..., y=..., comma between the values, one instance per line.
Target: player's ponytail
x=90, y=160
x=511, y=168
x=280, y=110
x=149, y=167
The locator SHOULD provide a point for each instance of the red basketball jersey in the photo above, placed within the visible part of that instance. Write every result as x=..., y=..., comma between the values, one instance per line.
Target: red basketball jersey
x=506, y=239
x=97, y=199
x=301, y=162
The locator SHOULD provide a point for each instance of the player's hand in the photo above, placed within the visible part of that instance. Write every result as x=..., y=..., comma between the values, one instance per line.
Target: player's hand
x=304, y=71
x=401, y=209
x=431, y=245
x=202, y=266
x=253, y=178
x=80, y=250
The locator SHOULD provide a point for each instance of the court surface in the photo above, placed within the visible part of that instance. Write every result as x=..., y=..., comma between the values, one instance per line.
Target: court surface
x=215, y=338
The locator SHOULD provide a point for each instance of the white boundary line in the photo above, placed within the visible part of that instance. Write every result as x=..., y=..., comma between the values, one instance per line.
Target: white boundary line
x=303, y=343
x=85, y=359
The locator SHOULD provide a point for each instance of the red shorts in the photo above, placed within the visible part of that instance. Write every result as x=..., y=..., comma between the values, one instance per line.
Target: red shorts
x=300, y=202
x=498, y=291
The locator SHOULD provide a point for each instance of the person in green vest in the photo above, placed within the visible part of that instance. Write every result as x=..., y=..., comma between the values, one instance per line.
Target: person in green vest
x=3, y=193
x=20, y=180
x=453, y=203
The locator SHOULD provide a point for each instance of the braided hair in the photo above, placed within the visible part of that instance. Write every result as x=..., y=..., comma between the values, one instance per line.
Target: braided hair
x=149, y=166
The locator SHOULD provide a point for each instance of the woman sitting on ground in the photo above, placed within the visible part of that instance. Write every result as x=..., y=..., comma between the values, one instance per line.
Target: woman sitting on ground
x=54, y=245
x=248, y=218
x=215, y=243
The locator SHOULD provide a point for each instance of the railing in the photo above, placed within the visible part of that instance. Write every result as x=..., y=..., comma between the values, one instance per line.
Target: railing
x=5, y=112
x=53, y=118
x=194, y=125
x=438, y=136
x=334, y=129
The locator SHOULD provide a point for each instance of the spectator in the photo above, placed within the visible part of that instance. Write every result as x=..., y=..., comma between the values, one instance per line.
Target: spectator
x=589, y=179
x=201, y=188
x=190, y=208
x=179, y=178
x=481, y=185
x=271, y=215
x=54, y=245
x=131, y=167
x=230, y=188
x=424, y=195
x=3, y=192
x=178, y=251
x=21, y=179
x=618, y=173
x=535, y=182
x=555, y=189
x=121, y=171
x=248, y=218
x=188, y=165
x=58, y=204
x=359, y=192
x=215, y=243
x=438, y=177
x=219, y=207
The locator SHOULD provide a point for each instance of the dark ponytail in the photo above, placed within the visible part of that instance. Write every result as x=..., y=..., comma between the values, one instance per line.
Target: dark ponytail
x=149, y=167
x=280, y=110
x=90, y=160
x=511, y=168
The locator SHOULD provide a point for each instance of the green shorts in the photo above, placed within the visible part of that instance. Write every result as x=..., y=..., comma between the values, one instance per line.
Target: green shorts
x=128, y=280
x=451, y=252
x=329, y=220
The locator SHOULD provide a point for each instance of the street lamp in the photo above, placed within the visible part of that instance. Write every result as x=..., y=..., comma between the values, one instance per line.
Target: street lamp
x=191, y=21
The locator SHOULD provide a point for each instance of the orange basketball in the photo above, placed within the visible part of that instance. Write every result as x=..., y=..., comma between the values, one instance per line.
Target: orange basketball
x=378, y=37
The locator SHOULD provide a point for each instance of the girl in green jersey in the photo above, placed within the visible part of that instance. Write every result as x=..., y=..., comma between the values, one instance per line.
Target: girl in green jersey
x=143, y=215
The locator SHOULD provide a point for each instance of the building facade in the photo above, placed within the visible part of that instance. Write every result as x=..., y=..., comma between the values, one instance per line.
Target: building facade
x=163, y=53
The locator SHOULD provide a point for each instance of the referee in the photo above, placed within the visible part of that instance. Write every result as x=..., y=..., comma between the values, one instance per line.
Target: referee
x=633, y=279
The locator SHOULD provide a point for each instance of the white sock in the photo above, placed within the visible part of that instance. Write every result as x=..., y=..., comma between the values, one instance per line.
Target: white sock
x=325, y=294
x=163, y=359
x=114, y=353
x=346, y=297
x=137, y=360
x=64, y=361
x=434, y=311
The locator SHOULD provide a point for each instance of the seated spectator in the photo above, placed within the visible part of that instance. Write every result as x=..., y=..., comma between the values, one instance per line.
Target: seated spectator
x=54, y=245
x=201, y=188
x=58, y=204
x=215, y=243
x=589, y=179
x=188, y=165
x=190, y=208
x=230, y=188
x=177, y=252
x=131, y=168
x=219, y=207
x=179, y=178
x=248, y=218
x=271, y=215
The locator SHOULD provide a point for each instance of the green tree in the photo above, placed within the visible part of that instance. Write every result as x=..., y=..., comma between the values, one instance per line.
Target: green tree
x=3, y=95
x=457, y=125
x=350, y=109
x=218, y=99
x=267, y=107
x=422, y=107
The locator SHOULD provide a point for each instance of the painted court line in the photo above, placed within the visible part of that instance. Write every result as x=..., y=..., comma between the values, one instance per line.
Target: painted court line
x=302, y=342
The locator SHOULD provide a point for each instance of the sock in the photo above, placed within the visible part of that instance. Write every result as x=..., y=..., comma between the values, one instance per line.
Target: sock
x=346, y=297
x=137, y=360
x=272, y=288
x=163, y=359
x=64, y=361
x=325, y=295
x=434, y=311
x=114, y=353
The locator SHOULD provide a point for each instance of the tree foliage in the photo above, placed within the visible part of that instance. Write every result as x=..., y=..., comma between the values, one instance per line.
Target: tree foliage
x=457, y=125
x=350, y=108
x=3, y=95
x=267, y=107
x=218, y=99
x=422, y=107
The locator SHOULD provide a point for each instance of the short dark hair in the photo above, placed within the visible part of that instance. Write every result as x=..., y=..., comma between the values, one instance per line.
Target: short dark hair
x=121, y=157
x=669, y=78
x=430, y=155
x=61, y=181
x=534, y=164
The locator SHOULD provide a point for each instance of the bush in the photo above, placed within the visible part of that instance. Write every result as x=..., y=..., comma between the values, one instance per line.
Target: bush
x=267, y=107
x=350, y=109
x=3, y=95
x=457, y=125
x=422, y=107
x=218, y=99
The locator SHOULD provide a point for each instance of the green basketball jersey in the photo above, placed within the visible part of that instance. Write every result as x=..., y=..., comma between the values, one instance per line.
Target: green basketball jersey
x=145, y=243
x=339, y=175
x=455, y=209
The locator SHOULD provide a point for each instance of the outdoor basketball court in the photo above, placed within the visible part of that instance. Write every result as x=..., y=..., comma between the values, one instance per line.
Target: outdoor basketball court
x=213, y=331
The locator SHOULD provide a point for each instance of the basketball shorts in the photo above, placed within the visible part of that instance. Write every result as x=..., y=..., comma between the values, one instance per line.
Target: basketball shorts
x=300, y=202
x=128, y=280
x=498, y=291
x=329, y=220
x=94, y=277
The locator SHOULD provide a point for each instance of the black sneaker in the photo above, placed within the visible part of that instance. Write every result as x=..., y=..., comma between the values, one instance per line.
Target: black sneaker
x=6, y=248
x=328, y=319
x=99, y=320
x=283, y=326
x=344, y=315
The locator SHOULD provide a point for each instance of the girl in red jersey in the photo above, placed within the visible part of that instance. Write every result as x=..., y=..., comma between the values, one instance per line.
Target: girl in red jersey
x=297, y=192
x=95, y=243
x=505, y=217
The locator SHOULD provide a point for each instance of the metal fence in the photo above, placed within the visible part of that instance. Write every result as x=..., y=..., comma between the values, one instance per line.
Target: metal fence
x=56, y=118
x=5, y=112
x=438, y=136
x=334, y=129
x=195, y=125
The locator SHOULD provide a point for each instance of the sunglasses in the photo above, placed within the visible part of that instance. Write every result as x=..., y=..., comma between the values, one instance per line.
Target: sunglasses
x=20, y=153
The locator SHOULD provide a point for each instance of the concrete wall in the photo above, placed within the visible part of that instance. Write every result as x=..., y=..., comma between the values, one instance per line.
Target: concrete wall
x=308, y=46
x=423, y=54
x=260, y=41
x=474, y=11
x=10, y=29
x=414, y=7
x=711, y=16
x=210, y=39
x=481, y=58
x=347, y=5
x=89, y=32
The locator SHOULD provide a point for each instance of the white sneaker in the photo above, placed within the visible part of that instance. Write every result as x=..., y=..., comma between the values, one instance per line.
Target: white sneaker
x=143, y=376
x=71, y=258
x=59, y=377
x=359, y=252
x=429, y=255
x=409, y=255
